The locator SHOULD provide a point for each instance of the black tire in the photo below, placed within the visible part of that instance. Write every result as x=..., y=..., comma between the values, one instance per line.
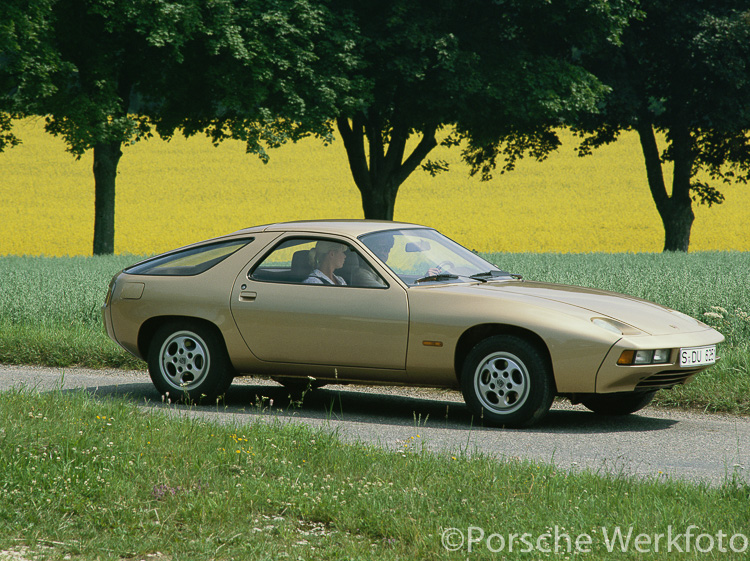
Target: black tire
x=189, y=362
x=506, y=381
x=620, y=403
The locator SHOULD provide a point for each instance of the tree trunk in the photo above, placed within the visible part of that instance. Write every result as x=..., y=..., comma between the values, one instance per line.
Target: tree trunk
x=379, y=201
x=379, y=179
x=677, y=227
x=106, y=157
x=676, y=211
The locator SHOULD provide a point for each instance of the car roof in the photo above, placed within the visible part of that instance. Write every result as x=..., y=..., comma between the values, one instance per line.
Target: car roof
x=348, y=227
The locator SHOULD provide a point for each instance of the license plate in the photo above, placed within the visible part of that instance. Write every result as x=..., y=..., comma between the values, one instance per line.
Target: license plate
x=698, y=356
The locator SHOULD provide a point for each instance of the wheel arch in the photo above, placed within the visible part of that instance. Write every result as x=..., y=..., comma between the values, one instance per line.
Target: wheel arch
x=474, y=335
x=152, y=325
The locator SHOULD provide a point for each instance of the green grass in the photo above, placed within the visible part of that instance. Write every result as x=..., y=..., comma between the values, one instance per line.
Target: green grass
x=50, y=308
x=50, y=311
x=693, y=283
x=85, y=478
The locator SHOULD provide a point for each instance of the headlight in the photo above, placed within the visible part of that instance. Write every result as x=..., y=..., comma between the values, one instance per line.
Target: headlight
x=658, y=356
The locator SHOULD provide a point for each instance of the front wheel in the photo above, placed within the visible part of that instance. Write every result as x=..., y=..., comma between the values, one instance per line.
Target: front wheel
x=620, y=403
x=507, y=381
x=189, y=361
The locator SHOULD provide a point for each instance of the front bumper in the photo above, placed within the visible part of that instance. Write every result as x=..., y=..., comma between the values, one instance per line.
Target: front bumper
x=612, y=377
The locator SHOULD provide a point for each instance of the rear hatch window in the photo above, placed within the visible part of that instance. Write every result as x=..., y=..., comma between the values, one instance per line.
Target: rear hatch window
x=188, y=262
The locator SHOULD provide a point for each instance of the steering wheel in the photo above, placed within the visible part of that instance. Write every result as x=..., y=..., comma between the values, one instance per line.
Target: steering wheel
x=445, y=266
x=440, y=268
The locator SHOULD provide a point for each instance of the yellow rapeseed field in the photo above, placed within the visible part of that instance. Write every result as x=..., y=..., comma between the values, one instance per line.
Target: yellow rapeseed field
x=173, y=193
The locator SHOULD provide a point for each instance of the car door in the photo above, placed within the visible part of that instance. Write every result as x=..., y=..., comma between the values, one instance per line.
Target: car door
x=284, y=319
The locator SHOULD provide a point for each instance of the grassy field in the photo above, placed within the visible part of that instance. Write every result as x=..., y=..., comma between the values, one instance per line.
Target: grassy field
x=97, y=479
x=85, y=478
x=50, y=308
x=172, y=194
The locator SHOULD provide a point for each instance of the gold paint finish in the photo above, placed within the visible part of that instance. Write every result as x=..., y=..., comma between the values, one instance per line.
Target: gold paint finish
x=411, y=334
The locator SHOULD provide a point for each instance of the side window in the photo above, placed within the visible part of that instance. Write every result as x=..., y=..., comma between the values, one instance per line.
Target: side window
x=288, y=262
x=188, y=262
x=316, y=261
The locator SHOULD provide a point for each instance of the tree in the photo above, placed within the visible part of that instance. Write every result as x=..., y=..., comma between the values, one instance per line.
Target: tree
x=7, y=138
x=273, y=72
x=80, y=68
x=25, y=59
x=112, y=72
x=499, y=75
x=682, y=70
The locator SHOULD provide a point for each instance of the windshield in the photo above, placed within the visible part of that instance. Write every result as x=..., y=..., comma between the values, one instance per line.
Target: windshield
x=422, y=256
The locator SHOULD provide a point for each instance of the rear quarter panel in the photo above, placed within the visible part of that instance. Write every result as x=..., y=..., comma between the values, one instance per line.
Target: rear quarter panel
x=204, y=296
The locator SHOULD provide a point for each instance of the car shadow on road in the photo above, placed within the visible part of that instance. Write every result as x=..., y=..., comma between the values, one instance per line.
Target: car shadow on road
x=352, y=406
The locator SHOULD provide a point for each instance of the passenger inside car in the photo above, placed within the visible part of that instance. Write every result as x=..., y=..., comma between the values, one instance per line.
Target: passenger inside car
x=327, y=257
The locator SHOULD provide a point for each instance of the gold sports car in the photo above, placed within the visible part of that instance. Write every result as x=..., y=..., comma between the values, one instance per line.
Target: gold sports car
x=368, y=302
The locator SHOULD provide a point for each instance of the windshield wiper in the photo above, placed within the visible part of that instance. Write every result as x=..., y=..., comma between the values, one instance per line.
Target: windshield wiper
x=438, y=277
x=494, y=274
x=483, y=276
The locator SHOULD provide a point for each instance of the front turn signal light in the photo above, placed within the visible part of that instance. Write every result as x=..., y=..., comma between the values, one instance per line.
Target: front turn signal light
x=626, y=358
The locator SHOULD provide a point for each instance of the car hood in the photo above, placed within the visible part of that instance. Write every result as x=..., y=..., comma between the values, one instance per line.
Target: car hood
x=646, y=316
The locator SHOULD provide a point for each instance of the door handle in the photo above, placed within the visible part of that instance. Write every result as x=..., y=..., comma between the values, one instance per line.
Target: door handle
x=247, y=296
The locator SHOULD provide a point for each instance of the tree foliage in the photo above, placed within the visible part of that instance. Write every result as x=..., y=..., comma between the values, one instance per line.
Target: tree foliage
x=683, y=70
x=26, y=62
x=498, y=75
x=104, y=74
x=269, y=72
x=396, y=78
x=78, y=63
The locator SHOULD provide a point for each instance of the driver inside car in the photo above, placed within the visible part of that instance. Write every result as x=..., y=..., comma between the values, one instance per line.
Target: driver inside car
x=381, y=246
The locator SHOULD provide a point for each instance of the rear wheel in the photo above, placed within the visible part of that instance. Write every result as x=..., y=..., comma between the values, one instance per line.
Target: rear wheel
x=620, y=403
x=507, y=382
x=189, y=361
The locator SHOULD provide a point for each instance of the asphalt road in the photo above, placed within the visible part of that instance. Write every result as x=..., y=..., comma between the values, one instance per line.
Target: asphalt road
x=654, y=443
